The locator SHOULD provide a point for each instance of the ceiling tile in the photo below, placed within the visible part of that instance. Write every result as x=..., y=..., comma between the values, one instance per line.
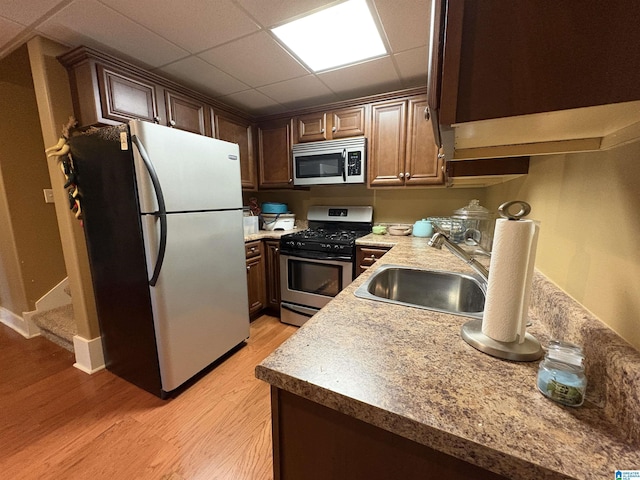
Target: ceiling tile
x=368, y=78
x=300, y=91
x=406, y=22
x=271, y=13
x=256, y=60
x=253, y=101
x=202, y=76
x=90, y=23
x=8, y=30
x=191, y=24
x=26, y=12
x=412, y=64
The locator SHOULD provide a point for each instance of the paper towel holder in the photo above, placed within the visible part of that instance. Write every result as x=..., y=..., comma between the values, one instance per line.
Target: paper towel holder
x=520, y=350
x=527, y=351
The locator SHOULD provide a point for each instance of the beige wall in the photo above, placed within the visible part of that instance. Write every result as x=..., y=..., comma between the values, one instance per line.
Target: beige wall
x=401, y=205
x=588, y=205
x=53, y=95
x=30, y=249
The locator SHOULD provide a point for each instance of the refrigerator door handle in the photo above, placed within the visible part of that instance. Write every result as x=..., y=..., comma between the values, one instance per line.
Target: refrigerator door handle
x=162, y=210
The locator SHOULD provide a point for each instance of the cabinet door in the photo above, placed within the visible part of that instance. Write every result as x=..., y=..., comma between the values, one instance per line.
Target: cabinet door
x=503, y=59
x=348, y=122
x=236, y=130
x=274, y=139
x=424, y=167
x=272, y=267
x=311, y=128
x=387, y=143
x=125, y=98
x=187, y=114
x=255, y=278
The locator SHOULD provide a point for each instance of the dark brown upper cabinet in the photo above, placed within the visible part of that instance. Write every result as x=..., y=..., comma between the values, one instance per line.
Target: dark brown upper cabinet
x=187, y=113
x=341, y=123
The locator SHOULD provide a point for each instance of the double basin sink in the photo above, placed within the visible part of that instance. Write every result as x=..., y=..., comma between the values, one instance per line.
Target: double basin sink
x=446, y=292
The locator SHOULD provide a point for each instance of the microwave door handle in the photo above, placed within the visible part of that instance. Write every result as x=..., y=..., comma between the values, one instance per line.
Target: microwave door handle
x=344, y=165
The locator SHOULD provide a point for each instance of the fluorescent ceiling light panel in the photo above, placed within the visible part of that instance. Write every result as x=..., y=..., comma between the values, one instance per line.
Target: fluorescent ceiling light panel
x=333, y=37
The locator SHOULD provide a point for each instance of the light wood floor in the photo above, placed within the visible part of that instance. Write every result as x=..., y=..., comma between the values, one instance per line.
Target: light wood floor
x=57, y=422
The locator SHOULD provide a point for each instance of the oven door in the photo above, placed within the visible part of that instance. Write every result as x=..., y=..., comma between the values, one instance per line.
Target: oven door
x=313, y=282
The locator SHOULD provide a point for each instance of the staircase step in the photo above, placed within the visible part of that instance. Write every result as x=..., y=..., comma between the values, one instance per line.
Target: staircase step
x=57, y=325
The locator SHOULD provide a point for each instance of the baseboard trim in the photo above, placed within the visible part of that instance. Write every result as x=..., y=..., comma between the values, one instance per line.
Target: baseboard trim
x=89, y=354
x=23, y=325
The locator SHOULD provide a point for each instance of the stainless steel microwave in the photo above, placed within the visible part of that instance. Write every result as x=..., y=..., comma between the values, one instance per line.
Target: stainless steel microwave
x=330, y=162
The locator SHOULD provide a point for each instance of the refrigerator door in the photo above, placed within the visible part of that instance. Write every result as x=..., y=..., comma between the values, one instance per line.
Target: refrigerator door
x=200, y=300
x=195, y=172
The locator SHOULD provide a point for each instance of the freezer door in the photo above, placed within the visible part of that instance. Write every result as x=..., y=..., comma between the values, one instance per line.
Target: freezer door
x=200, y=300
x=195, y=172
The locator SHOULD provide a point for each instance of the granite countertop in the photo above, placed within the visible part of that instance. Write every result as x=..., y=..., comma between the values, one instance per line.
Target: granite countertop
x=408, y=371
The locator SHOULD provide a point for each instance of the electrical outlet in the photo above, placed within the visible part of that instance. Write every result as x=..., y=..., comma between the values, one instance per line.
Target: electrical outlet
x=48, y=195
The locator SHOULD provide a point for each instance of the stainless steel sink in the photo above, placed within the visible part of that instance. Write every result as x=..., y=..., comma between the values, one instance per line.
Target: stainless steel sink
x=447, y=292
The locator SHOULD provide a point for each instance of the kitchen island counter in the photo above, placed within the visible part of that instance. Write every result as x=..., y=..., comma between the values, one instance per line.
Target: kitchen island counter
x=407, y=371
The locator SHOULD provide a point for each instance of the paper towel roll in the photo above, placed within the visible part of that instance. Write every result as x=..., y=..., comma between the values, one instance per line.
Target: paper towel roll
x=510, y=276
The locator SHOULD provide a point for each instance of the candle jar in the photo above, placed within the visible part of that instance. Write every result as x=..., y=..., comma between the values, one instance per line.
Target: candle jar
x=561, y=374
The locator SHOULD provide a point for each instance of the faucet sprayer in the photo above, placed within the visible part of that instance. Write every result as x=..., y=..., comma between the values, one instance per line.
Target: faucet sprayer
x=438, y=239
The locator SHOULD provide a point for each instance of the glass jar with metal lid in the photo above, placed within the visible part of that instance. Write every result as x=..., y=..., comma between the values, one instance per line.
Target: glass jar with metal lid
x=476, y=225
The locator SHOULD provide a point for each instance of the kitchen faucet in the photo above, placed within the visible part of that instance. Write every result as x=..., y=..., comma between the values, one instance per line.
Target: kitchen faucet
x=438, y=239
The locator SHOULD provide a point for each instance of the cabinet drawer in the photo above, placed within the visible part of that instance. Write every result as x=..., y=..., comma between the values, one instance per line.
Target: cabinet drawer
x=367, y=256
x=253, y=249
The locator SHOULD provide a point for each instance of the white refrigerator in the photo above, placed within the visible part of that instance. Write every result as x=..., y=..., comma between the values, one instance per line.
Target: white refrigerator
x=162, y=213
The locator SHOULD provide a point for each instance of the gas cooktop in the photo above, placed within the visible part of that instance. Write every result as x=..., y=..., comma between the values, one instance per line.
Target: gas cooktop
x=331, y=229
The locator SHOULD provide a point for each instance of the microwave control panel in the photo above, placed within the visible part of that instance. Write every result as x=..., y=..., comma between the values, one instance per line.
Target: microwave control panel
x=354, y=163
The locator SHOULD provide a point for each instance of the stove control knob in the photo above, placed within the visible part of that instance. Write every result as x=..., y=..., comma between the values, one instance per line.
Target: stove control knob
x=299, y=244
x=336, y=247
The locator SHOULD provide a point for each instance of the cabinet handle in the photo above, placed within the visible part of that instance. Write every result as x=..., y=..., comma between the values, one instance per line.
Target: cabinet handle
x=407, y=175
x=401, y=175
x=441, y=155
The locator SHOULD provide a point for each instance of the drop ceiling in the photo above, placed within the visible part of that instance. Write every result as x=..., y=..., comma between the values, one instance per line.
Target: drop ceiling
x=224, y=48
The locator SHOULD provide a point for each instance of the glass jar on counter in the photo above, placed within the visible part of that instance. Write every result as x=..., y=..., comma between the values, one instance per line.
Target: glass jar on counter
x=477, y=225
x=561, y=374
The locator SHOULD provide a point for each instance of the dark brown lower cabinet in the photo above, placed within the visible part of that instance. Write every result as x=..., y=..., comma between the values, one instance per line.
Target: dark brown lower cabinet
x=314, y=442
x=255, y=277
x=272, y=271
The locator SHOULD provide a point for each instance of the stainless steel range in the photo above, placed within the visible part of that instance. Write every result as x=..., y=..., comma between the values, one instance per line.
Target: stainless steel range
x=317, y=263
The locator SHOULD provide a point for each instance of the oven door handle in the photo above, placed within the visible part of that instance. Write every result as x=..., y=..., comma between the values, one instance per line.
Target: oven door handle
x=297, y=312
x=316, y=256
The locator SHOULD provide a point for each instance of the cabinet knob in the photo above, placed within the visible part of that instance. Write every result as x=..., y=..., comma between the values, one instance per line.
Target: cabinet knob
x=373, y=255
x=277, y=250
x=172, y=123
x=248, y=267
x=156, y=119
x=441, y=155
x=322, y=130
x=334, y=129
x=407, y=175
x=401, y=175
x=253, y=249
x=427, y=114
x=291, y=180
